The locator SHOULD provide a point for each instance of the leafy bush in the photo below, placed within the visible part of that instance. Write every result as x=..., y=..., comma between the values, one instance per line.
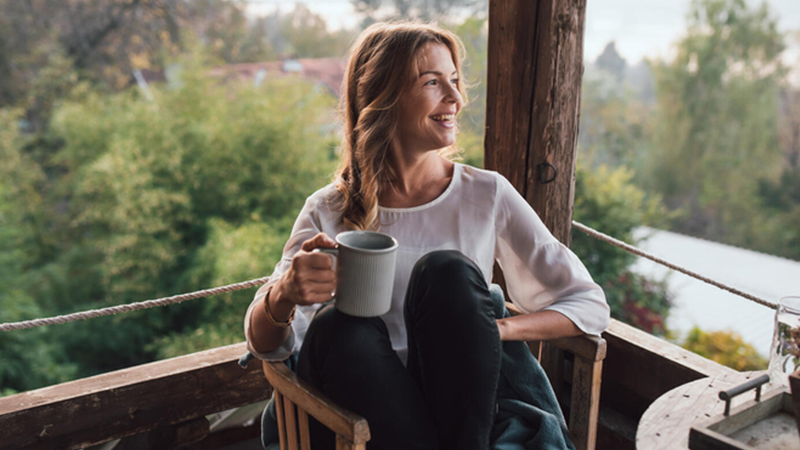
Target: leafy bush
x=726, y=348
x=607, y=201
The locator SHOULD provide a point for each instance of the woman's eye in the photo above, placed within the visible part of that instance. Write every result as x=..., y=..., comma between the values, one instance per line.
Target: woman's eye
x=431, y=83
x=454, y=81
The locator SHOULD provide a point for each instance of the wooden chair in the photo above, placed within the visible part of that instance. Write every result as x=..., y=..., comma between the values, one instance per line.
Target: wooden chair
x=582, y=356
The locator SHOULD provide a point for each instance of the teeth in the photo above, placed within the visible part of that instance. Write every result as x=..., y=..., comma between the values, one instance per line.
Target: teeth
x=443, y=117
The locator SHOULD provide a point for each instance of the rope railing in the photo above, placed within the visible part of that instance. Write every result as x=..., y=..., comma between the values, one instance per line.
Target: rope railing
x=636, y=251
x=90, y=314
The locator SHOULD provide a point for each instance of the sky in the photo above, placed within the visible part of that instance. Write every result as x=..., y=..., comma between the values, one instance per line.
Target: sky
x=640, y=27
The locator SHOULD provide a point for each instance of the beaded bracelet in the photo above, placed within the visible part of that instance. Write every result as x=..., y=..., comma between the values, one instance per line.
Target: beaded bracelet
x=271, y=318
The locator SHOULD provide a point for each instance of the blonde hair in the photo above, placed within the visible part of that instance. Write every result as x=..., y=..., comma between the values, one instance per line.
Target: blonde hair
x=382, y=64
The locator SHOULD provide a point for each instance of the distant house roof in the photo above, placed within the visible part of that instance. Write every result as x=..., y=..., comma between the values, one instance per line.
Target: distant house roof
x=328, y=71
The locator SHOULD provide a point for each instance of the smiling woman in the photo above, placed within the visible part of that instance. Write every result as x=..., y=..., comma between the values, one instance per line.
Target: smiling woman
x=408, y=370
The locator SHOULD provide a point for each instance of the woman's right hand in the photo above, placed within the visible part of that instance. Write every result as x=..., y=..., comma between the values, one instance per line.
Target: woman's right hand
x=311, y=278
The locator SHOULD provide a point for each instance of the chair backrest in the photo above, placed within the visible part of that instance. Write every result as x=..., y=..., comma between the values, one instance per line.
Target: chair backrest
x=296, y=399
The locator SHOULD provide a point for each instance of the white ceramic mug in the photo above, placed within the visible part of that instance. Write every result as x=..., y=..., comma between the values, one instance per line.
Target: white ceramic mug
x=365, y=262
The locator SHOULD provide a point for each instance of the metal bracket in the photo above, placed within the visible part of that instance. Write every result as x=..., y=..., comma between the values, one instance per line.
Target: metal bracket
x=542, y=169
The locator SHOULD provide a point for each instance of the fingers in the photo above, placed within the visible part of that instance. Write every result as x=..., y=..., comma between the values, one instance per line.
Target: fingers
x=320, y=240
x=313, y=287
x=311, y=278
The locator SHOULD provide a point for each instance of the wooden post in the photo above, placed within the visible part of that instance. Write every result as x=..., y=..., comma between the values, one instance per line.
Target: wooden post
x=535, y=66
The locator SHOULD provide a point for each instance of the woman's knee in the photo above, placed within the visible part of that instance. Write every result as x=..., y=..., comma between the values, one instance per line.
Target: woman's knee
x=446, y=265
x=448, y=280
x=332, y=332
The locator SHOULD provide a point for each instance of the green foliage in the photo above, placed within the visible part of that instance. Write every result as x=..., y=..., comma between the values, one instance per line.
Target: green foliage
x=716, y=133
x=726, y=348
x=29, y=358
x=231, y=254
x=606, y=200
x=307, y=36
x=616, y=126
x=126, y=199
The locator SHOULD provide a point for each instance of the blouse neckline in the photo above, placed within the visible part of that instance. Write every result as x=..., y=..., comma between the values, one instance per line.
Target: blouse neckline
x=434, y=202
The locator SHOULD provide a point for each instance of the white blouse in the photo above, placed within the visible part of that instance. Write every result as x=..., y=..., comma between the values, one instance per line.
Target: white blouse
x=481, y=215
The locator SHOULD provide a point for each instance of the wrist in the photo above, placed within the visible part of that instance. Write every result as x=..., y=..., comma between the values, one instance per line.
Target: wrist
x=280, y=311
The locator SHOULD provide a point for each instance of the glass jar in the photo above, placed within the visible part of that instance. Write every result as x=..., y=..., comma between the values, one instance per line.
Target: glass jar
x=784, y=355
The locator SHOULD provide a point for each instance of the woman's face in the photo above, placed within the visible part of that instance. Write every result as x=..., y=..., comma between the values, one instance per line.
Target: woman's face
x=427, y=109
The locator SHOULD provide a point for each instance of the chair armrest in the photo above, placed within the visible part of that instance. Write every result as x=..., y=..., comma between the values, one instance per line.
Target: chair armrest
x=341, y=421
x=585, y=346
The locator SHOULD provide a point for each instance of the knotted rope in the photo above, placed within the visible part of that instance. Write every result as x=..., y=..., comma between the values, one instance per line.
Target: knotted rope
x=629, y=248
x=91, y=314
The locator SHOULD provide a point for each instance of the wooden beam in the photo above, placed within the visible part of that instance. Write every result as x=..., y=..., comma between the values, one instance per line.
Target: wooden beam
x=535, y=66
x=130, y=401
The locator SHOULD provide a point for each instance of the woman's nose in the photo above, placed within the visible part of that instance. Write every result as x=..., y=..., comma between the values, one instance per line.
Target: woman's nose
x=453, y=95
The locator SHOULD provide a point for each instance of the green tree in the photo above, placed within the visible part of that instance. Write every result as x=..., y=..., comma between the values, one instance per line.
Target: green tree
x=307, y=36
x=716, y=118
x=125, y=199
x=30, y=358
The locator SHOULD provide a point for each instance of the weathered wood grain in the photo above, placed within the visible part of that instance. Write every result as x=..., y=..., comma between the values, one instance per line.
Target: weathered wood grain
x=535, y=65
x=509, y=87
x=130, y=401
x=585, y=403
x=292, y=388
x=556, y=108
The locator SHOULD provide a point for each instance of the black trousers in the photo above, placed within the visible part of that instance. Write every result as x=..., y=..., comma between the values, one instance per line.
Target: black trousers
x=445, y=397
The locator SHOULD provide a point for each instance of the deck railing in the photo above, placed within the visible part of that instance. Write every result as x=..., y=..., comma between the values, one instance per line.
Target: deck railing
x=167, y=401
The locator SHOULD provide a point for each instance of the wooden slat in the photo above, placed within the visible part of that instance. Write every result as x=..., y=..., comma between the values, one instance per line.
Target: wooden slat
x=279, y=413
x=343, y=444
x=130, y=401
x=305, y=435
x=552, y=362
x=339, y=420
x=585, y=403
x=291, y=423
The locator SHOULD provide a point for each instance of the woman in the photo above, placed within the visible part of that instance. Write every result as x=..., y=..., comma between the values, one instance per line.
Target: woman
x=424, y=375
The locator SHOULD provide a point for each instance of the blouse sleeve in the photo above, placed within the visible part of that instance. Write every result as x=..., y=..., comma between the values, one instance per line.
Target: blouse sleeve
x=540, y=272
x=305, y=227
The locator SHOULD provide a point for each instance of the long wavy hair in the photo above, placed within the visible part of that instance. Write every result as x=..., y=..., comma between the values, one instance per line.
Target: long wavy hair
x=382, y=65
